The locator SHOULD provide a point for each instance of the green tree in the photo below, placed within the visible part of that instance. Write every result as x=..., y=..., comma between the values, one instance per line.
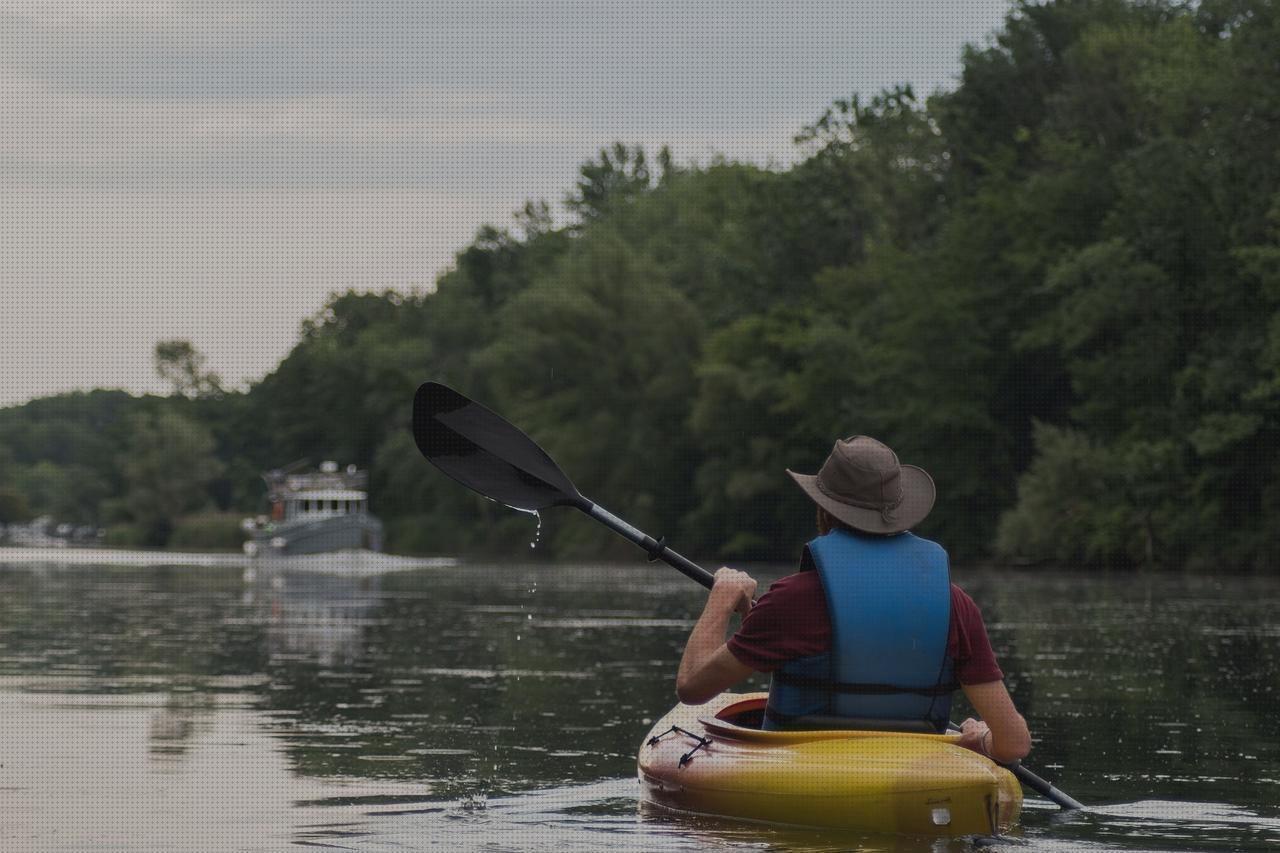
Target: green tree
x=619, y=175
x=167, y=468
x=772, y=395
x=596, y=361
x=182, y=366
x=1085, y=502
x=1154, y=310
x=13, y=506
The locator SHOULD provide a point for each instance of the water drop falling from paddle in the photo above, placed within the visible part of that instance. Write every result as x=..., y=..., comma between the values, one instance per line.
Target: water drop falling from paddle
x=537, y=534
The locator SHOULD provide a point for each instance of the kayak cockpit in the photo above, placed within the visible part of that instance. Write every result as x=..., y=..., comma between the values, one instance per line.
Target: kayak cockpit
x=743, y=719
x=747, y=714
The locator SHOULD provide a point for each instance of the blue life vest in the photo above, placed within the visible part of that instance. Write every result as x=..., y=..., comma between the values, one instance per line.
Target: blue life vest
x=890, y=603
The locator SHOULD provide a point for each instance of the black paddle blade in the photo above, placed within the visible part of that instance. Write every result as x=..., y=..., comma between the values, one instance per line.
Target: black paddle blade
x=486, y=454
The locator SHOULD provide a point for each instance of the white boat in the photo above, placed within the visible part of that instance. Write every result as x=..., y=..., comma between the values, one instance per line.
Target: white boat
x=314, y=512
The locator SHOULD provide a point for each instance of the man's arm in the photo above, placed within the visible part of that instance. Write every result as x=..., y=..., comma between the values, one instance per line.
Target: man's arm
x=1002, y=734
x=707, y=667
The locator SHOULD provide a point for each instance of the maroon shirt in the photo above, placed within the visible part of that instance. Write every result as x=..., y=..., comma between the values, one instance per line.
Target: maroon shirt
x=791, y=621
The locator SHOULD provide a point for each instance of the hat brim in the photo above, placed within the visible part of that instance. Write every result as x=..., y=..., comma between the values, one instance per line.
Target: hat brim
x=918, y=495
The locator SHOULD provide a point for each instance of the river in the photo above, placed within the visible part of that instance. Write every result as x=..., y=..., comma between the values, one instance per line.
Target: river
x=500, y=707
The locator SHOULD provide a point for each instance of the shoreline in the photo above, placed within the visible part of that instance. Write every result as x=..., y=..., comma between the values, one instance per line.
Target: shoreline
x=362, y=562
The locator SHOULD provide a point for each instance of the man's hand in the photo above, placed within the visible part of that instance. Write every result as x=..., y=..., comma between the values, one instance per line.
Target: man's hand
x=733, y=590
x=976, y=735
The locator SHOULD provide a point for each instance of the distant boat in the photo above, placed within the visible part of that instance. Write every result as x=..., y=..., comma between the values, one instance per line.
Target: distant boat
x=314, y=512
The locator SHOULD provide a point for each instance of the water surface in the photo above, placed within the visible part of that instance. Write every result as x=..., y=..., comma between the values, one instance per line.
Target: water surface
x=500, y=707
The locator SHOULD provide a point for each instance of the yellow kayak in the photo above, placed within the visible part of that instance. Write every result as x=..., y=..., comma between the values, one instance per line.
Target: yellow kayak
x=713, y=759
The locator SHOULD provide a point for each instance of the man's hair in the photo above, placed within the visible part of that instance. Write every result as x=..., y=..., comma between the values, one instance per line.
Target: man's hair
x=833, y=523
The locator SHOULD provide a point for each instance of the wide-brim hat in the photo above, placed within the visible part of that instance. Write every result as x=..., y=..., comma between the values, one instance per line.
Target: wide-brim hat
x=863, y=485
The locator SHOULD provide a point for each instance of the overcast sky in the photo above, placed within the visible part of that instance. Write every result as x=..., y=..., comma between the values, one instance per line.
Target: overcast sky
x=212, y=171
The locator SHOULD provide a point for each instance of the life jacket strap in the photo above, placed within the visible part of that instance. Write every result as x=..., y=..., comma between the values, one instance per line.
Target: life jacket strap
x=791, y=722
x=831, y=686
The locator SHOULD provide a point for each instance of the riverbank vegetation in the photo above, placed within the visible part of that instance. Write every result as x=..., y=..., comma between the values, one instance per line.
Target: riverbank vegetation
x=1056, y=288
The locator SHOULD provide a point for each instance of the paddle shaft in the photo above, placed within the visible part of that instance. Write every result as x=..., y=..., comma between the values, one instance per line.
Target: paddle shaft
x=656, y=549
x=1043, y=787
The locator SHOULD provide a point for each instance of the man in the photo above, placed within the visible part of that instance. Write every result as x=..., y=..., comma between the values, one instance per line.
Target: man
x=870, y=633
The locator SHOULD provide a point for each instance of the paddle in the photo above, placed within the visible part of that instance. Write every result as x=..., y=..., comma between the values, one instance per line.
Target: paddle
x=1043, y=787
x=485, y=453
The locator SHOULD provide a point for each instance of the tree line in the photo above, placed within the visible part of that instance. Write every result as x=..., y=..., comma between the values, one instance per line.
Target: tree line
x=1056, y=288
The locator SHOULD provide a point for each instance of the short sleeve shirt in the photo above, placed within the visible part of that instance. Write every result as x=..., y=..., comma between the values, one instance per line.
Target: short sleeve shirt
x=791, y=621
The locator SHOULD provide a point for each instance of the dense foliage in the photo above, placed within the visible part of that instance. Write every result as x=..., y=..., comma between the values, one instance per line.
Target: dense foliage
x=1057, y=288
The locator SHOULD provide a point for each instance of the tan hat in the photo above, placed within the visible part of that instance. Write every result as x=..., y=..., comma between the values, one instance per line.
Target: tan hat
x=863, y=485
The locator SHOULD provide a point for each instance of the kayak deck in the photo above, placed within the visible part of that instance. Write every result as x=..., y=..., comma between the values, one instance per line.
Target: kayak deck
x=703, y=759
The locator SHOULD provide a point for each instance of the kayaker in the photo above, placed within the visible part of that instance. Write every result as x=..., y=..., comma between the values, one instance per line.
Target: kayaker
x=904, y=637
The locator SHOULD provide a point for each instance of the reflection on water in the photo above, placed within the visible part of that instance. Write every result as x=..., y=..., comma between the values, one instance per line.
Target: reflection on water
x=319, y=617
x=501, y=707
